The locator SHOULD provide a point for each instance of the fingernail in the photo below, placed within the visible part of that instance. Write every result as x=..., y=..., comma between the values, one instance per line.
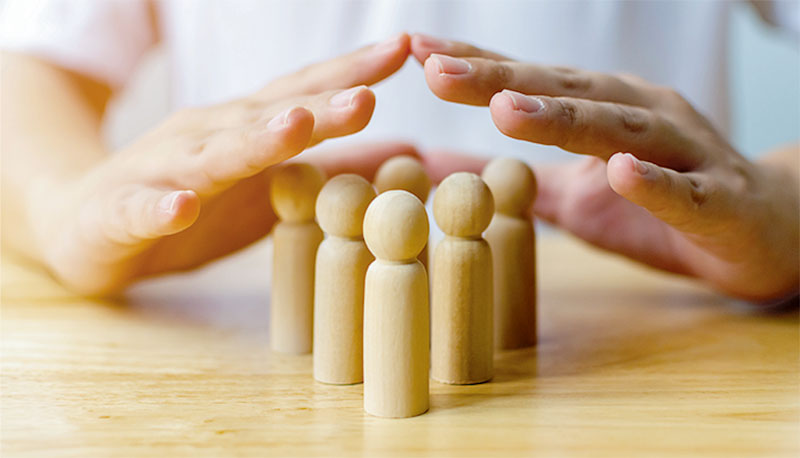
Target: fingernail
x=450, y=65
x=280, y=120
x=526, y=103
x=638, y=165
x=389, y=43
x=168, y=203
x=428, y=41
x=344, y=98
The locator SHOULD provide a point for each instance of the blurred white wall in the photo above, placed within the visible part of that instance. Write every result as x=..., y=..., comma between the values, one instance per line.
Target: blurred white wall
x=764, y=69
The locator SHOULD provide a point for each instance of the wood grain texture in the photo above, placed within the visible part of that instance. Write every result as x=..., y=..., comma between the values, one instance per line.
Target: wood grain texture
x=630, y=363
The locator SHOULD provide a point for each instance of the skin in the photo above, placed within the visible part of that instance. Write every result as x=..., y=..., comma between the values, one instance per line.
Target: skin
x=661, y=186
x=189, y=191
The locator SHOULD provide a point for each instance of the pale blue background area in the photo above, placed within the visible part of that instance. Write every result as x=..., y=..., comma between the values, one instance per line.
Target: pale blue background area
x=765, y=84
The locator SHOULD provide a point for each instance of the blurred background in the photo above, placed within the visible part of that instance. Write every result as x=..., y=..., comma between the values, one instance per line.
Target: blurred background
x=764, y=69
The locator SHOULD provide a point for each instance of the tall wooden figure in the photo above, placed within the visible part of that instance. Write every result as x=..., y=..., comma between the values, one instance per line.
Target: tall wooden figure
x=396, y=316
x=461, y=314
x=342, y=261
x=406, y=173
x=511, y=237
x=296, y=236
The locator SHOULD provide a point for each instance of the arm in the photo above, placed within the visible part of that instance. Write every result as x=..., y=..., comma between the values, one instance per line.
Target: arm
x=50, y=134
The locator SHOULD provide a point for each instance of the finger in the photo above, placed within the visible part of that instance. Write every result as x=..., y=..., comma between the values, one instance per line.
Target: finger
x=362, y=159
x=423, y=46
x=228, y=155
x=474, y=81
x=595, y=128
x=441, y=163
x=336, y=113
x=690, y=202
x=136, y=214
x=366, y=66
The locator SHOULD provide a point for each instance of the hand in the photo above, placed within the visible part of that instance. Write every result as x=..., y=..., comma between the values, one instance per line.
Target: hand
x=196, y=187
x=663, y=187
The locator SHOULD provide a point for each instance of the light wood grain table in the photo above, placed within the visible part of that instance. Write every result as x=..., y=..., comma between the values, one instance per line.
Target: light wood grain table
x=631, y=363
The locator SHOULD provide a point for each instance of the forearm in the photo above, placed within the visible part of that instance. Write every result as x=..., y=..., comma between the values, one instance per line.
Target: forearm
x=50, y=134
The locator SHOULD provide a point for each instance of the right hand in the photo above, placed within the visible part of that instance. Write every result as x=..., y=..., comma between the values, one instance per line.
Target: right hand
x=196, y=187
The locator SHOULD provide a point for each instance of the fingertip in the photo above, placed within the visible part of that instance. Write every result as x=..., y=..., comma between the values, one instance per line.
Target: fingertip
x=178, y=210
x=422, y=46
x=392, y=52
x=628, y=176
x=362, y=105
x=443, y=85
x=292, y=128
x=504, y=115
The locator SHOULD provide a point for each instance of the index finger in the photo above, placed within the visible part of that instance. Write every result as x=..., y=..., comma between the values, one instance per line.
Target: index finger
x=365, y=66
x=422, y=46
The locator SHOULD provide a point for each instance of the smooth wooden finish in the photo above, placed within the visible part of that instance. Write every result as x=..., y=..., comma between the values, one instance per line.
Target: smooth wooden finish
x=512, y=240
x=342, y=261
x=462, y=347
x=630, y=363
x=396, y=316
x=405, y=173
x=293, y=193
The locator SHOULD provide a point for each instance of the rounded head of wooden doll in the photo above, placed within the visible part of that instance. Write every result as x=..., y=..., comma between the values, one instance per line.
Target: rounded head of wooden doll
x=512, y=183
x=396, y=226
x=406, y=173
x=463, y=205
x=293, y=191
x=341, y=205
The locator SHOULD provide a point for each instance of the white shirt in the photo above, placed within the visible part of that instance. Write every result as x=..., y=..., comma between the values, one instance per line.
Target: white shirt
x=224, y=49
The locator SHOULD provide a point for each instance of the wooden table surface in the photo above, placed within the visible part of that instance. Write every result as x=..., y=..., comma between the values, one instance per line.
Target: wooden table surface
x=631, y=363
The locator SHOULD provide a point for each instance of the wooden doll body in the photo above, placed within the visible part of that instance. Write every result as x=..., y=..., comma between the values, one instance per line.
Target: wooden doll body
x=296, y=236
x=512, y=239
x=341, y=267
x=396, y=313
x=513, y=253
x=462, y=347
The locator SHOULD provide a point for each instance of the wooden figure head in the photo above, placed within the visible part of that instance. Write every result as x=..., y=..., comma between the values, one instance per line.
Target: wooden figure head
x=512, y=183
x=293, y=191
x=341, y=205
x=396, y=226
x=463, y=205
x=406, y=173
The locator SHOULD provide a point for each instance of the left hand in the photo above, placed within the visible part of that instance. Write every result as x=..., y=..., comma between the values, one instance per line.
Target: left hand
x=663, y=186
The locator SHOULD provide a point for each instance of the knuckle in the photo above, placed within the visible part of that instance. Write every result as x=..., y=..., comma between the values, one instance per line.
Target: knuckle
x=635, y=122
x=503, y=73
x=569, y=121
x=573, y=81
x=699, y=191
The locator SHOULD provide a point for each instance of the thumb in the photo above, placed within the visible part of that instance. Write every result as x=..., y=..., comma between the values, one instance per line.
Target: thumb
x=137, y=214
x=690, y=202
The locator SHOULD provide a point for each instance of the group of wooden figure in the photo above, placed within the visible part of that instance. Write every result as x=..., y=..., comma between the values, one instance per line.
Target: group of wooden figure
x=359, y=298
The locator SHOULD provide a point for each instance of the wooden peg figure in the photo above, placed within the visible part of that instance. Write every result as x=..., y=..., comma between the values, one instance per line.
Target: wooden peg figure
x=406, y=173
x=461, y=312
x=396, y=316
x=342, y=261
x=296, y=236
x=512, y=239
